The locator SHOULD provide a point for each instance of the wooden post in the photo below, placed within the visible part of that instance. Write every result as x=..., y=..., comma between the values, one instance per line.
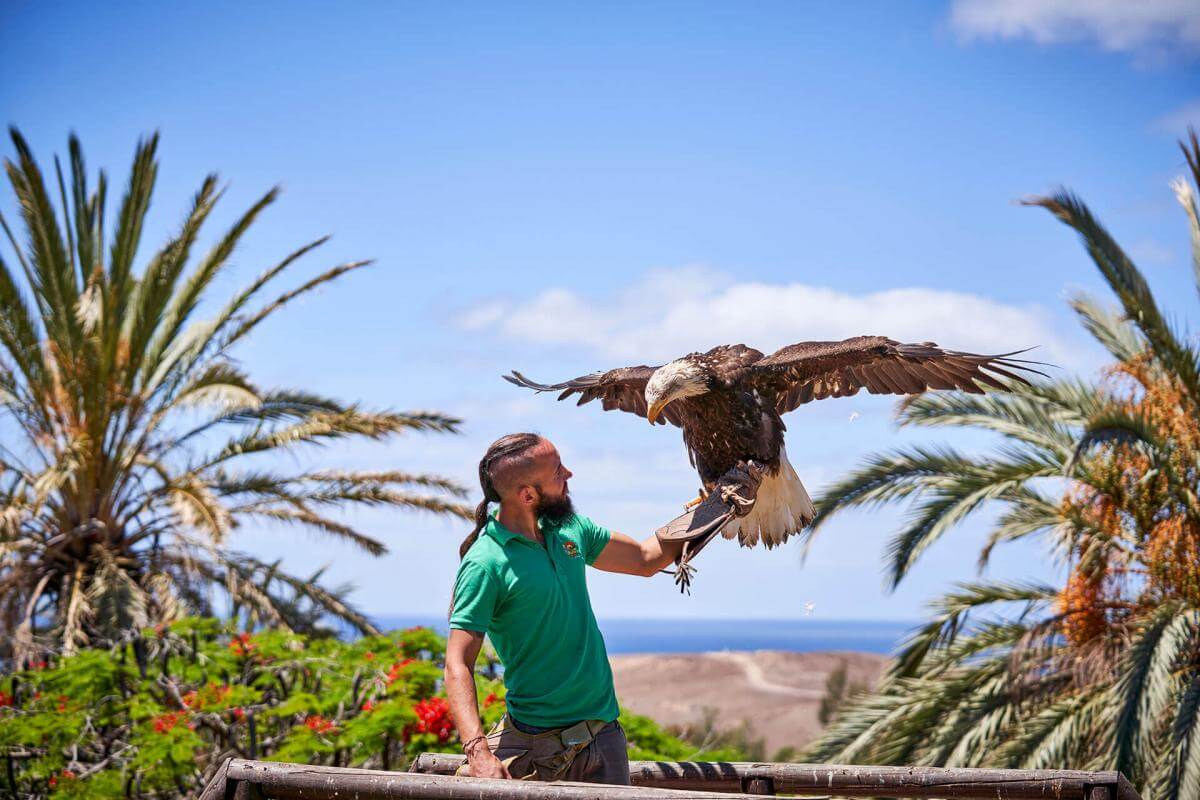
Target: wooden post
x=758, y=786
x=252, y=727
x=216, y=787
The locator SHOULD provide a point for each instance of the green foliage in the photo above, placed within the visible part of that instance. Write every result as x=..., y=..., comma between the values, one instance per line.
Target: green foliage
x=838, y=688
x=134, y=440
x=650, y=742
x=157, y=713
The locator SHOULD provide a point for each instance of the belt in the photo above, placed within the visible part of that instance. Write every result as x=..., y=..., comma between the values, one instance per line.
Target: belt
x=574, y=739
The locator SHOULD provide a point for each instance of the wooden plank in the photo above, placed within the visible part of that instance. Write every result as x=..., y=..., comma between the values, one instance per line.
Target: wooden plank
x=1125, y=790
x=759, y=786
x=280, y=781
x=854, y=781
x=215, y=788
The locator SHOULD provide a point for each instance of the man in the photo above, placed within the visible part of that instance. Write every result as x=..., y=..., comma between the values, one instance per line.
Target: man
x=522, y=582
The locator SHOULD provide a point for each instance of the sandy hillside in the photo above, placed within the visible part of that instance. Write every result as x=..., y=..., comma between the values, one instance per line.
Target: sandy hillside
x=778, y=692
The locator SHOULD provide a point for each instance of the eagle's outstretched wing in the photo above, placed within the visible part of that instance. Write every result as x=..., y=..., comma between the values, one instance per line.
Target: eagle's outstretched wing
x=815, y=370
x=623, y=389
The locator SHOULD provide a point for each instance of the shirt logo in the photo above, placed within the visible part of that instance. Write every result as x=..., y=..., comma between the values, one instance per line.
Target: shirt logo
x=570, y=549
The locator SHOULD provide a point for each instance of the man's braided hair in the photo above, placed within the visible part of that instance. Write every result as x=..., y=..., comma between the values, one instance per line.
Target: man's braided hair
x=504, y=449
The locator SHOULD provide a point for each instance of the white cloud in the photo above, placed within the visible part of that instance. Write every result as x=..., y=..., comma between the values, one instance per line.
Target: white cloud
x=1155, y=26
x=672, y=312
x=1175, y=123
x=1148, y=251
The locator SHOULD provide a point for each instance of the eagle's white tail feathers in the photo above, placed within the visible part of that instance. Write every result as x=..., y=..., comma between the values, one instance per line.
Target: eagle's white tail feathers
x=782, y=509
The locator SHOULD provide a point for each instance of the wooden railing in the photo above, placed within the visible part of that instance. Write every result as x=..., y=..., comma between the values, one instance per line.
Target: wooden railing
x=431, y=778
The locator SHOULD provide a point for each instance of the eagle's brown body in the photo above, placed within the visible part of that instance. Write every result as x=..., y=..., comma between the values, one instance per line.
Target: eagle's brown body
x=729, y=403
x=734, y=426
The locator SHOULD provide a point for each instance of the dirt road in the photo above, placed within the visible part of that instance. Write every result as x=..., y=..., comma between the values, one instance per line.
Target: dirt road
x=778, y=692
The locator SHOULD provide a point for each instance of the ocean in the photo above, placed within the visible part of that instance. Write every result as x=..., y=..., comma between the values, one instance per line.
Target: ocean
x=706, y=635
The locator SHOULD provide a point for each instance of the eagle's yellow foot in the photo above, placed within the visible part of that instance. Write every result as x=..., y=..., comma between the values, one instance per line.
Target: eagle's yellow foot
x=695, y=501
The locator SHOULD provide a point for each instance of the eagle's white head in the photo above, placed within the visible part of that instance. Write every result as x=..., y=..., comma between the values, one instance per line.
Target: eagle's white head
x=681, y=378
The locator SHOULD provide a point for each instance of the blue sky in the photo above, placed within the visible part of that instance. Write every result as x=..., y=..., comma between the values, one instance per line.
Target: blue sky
x=566, y=187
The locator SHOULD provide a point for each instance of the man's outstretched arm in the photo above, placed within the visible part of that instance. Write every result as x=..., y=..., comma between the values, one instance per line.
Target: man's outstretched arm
x=462, y=649
x=626, y=555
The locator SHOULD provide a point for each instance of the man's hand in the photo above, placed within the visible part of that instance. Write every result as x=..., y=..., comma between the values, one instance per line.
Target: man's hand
x=482, y=762
x=462, y=648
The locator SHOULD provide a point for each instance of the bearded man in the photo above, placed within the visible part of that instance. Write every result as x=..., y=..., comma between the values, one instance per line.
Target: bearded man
x=521, y=581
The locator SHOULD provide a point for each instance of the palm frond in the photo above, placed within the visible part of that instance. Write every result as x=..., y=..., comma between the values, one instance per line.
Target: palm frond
x=952, y=501
x=1133, y=697
x=183, y=302
x=1186, y=194
x=1180, y=776
x=949, y=615
x=1057, y=734
x=1130, y=287
x=309, y=519
x=1028, y=512
x=1023, y=415
x=1110, y=328
x=250, y=323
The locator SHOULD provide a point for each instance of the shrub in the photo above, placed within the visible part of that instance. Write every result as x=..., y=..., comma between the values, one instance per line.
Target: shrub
x=155, y=715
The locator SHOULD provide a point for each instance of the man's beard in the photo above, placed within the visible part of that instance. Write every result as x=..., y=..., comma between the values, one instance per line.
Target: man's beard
x=555, y=509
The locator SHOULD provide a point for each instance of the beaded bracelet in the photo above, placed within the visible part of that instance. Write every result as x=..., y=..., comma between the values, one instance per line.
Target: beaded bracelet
x=467, y=745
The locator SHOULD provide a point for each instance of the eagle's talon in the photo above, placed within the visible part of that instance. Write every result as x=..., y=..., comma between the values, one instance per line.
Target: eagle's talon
x=683, y=577
x=695, y=501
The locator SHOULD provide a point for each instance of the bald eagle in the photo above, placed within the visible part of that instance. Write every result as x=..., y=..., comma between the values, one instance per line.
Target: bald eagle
x=730, y=401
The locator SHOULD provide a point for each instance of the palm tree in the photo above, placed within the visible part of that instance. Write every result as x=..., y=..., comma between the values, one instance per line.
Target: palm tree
x=133, y=442
x=1102, y=672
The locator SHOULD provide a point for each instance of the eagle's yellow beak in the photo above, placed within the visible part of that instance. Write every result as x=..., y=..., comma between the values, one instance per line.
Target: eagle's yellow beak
x=654, y=410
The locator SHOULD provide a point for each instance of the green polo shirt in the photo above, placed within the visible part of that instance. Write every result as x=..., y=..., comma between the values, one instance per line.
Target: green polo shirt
x=532, y=601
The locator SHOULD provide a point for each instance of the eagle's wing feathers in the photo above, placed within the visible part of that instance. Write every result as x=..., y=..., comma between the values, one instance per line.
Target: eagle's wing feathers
x=623, y=389
x=807, y=371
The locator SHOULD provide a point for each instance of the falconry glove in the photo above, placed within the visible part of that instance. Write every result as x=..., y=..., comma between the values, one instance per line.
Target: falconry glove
x=732, y=496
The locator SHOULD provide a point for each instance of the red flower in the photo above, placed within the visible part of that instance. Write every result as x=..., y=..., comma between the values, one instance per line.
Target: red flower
x=239, y=713
x=433, y=716
x=66, y=774
x=397, y=668
x=318, y=724
x=491, y=699
x=368, y=706
x=241, y=645
x=208, y=694
x=5, y=699
x=62, y=702
x=369, y=656
x=167, y=722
